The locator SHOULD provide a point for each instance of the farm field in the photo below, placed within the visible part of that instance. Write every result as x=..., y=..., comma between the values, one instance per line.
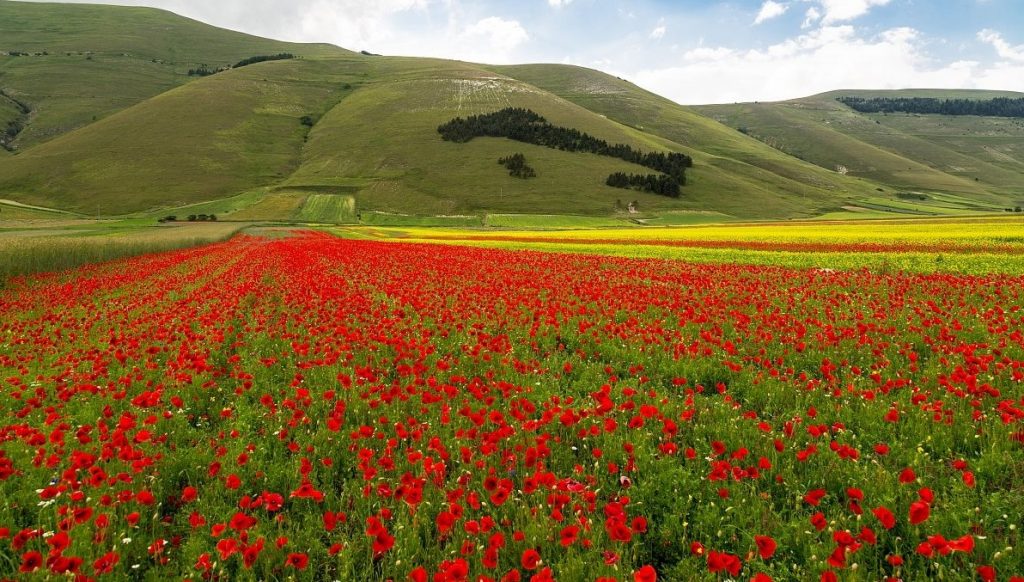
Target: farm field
x=311, y=407
x=961, y=245
x=28, y=247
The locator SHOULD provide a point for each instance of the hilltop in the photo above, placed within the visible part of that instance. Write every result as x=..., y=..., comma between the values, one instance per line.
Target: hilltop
x=115, y=124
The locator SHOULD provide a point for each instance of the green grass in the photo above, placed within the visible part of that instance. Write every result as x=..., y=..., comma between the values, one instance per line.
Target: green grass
x=685, y=219
x=10, y=210
x=331, y=208
x=222, y=207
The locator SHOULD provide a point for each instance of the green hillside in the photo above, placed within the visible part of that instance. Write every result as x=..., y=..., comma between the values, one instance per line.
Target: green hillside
x=86, y=62
x=741, y=176
x=981, y=158
x=383, y=143
x=211, y=138
x=118, y=127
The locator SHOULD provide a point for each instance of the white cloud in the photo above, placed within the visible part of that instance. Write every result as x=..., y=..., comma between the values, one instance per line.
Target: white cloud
x=659, y=31
x=559, y=3
x=843, y=10
x=828, y=58
x=769, y=10
x=813, y=16
x=349, y=23
x=1003, y=48
x=498, y=33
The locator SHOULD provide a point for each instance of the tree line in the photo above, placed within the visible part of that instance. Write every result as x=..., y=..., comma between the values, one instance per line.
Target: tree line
x=524, y=125
x=997, y=107
x=205, y=70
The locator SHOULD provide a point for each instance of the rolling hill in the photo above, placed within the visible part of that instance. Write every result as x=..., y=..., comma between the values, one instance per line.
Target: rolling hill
x=79, y=63
x=117, y=126
x=981, y=157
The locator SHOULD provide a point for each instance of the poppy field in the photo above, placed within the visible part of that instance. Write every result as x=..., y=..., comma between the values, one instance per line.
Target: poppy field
x=316, y=408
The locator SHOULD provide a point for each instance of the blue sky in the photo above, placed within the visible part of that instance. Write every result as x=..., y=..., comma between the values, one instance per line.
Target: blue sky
x=687, y=50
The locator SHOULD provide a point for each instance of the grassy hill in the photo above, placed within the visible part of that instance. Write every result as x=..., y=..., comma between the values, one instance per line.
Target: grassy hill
x=211, y=138
x=382, y=144
x=86, y=62
x=117, y=127
x=978, y=157
x=740, y=176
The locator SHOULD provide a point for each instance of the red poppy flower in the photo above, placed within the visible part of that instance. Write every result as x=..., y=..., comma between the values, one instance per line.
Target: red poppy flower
x=765, y=546
x=919, y=512
x=886, y=517
x=297, y=561
x=530, y=559
x=645, y=574
x=105, y=563
x=818, y=521
x=30, y=562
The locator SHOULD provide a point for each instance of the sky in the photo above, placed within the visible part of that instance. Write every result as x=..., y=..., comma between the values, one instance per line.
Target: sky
x=687, y=50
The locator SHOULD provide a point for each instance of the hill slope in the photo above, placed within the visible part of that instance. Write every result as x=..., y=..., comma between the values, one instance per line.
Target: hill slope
x=211, y=138
x=982, y=157
x=85, y=62
x=741, y=175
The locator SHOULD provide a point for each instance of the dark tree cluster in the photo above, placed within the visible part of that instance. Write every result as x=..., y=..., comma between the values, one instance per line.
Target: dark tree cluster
x=527, y=126
x=205, y=70
x=997, y=107
x=202, y=217
x=262, y=58
x=653, y=183
x=517, y=167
